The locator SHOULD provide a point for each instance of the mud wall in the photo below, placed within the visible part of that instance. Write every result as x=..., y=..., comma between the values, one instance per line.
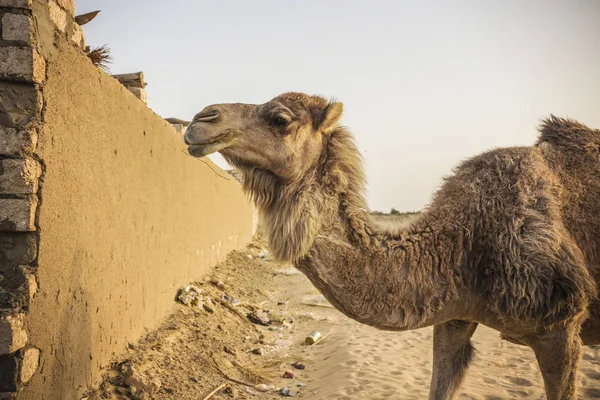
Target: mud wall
x=102, y=215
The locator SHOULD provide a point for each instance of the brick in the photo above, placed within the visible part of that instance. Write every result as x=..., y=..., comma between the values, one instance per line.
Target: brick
x=68, y=5
x=13, y=335
x=22, y=64
x=17, y=288
x=17, y=249
x=29, y=362
x=58, y=16
x=18, y=215
x=26, y=4
x=19, y=176
x=15, y=142
x=16, y=27
x=20, y=104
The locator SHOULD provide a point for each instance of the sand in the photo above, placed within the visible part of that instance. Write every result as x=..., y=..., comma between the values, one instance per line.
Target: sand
x=354, y=362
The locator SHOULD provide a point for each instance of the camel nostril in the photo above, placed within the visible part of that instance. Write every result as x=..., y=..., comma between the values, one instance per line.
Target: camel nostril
x=206, y=116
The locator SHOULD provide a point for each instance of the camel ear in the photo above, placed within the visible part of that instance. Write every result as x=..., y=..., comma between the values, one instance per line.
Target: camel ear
x=326, y=120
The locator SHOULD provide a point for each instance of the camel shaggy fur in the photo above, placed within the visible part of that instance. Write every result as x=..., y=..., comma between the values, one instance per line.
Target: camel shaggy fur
x=511, y=240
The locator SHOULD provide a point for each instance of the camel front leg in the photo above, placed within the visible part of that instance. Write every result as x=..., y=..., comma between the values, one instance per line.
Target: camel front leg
x=452, y=352
x=558, y=353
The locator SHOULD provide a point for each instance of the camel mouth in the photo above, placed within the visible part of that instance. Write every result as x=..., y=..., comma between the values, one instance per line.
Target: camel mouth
x=213, y=145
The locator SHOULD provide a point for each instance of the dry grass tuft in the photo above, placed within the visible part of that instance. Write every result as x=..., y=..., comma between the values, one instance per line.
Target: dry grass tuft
x=100, y=57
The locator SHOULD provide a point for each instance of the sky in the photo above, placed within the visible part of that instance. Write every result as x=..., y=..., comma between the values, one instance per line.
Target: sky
x=425, y=84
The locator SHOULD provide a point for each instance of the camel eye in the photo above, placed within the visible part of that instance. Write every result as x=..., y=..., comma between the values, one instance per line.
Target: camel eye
x=279, y=121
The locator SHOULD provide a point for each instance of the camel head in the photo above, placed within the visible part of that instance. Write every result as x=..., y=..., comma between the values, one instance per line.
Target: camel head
x=284, y=136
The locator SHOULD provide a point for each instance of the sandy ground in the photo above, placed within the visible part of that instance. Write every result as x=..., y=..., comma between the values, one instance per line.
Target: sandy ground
x=195, y=351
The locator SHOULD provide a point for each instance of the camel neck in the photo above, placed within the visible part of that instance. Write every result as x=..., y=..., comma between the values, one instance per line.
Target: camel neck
x=391, y=280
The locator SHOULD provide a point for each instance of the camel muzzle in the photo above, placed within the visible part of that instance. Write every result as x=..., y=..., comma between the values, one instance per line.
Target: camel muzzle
x=201, y=143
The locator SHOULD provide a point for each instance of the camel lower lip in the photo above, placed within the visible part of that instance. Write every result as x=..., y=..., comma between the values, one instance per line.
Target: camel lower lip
x=202, y=150
x=220, y=142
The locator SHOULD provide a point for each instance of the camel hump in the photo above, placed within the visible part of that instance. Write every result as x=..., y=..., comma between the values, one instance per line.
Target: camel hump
x=569, y=135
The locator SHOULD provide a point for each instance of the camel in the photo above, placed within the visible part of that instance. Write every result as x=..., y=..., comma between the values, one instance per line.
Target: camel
x=510, y=241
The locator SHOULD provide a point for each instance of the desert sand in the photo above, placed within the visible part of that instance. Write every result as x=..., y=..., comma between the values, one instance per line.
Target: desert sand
x=353, y=361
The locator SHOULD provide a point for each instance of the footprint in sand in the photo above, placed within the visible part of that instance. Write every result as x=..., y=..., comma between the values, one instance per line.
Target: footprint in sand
x=519, y=393
x=352, y=390
x=591, y=373
x=489, y=381
x=519, y=381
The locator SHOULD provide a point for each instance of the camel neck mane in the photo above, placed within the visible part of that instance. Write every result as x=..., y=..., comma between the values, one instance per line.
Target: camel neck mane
x=329, y=199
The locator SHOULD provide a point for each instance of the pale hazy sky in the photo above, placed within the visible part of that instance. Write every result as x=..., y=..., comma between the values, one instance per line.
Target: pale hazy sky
x=425, y=84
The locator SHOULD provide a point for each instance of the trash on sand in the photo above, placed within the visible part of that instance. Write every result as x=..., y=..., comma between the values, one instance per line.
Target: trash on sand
x=274, y=328
x=262, y=351
x=316, y=343
x=283, y=303
x=259, y=317
x=189, y=295
x=291, y=271
x=318, y=301
x=261, y=387
x=300, y=384
x=233, y=301
x=286, y=392
x=250, y=256
x=288, y=375
x=265, y=254
x=298, y=365
x=312, y=337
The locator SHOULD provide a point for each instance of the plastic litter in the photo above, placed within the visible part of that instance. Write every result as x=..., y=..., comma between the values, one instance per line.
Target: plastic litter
x=288, y=375
x=261, y=387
